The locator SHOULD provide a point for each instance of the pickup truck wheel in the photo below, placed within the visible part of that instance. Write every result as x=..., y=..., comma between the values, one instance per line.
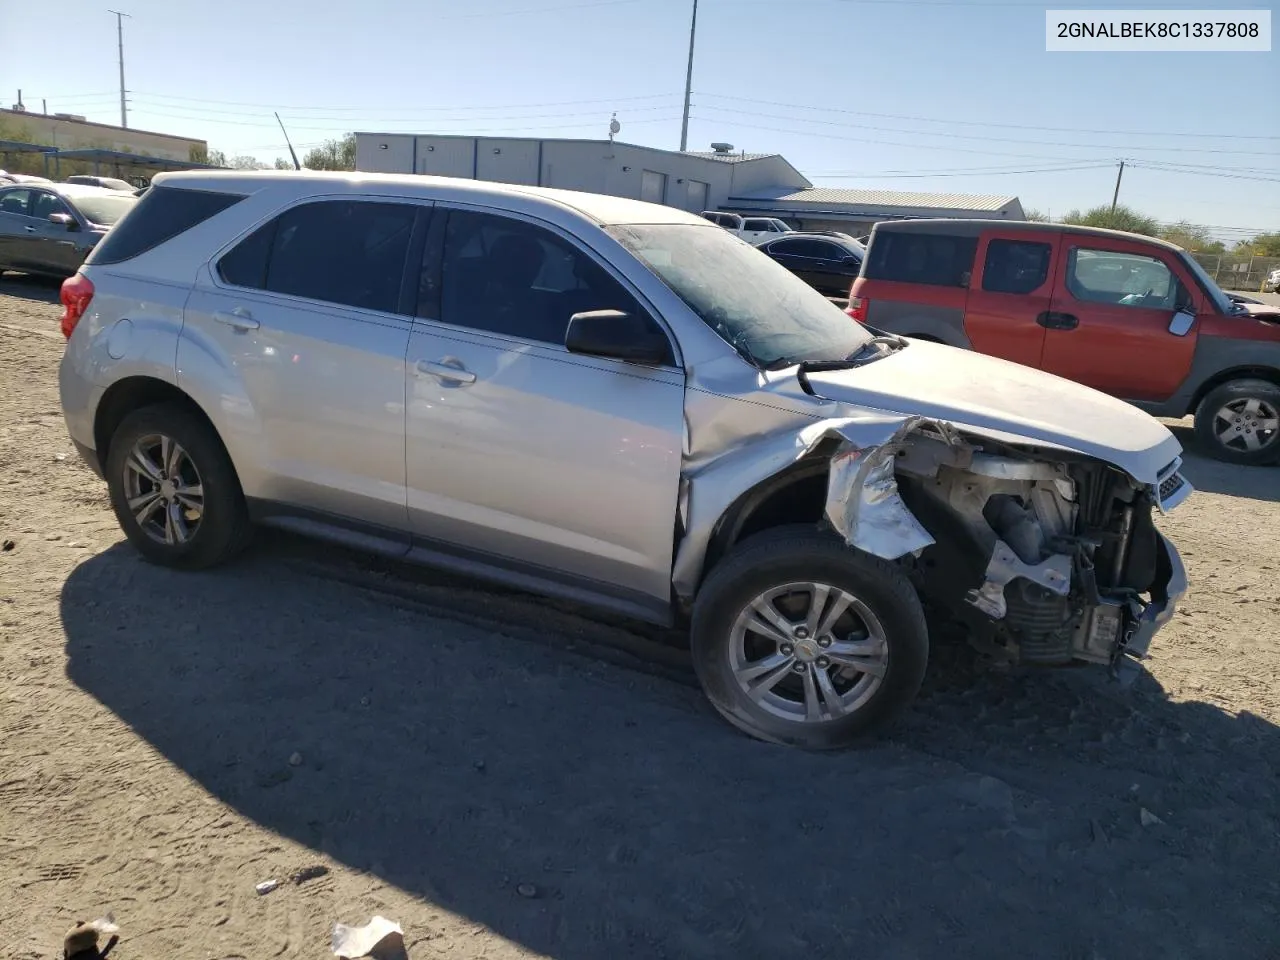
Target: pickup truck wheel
x=174, y=489
x=799, y=639
x=1239, y=422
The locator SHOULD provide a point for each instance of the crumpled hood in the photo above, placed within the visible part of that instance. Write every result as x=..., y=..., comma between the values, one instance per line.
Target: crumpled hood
x=1005, y=401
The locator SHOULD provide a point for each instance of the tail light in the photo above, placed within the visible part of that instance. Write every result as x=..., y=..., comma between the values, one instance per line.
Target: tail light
x=858, y=308
x=77, y=292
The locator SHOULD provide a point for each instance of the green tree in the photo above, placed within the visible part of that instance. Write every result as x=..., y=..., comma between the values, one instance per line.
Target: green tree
x=1263, y=245
x=283, y=164
x=337, y=154
x=246, y=162
x=1190, y=236
x=1036, y=216
x=1121, y=218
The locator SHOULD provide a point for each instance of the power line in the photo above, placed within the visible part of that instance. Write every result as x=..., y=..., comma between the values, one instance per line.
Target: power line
x=455, y=106
x=890, y=175
x=987, y=138
x=198, y=113
x=984, y=123
x=468, y=130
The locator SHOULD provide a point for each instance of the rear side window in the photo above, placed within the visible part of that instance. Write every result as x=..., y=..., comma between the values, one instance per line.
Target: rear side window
x=347, y=252
x=161, y=214
x=935, y=259
x=1015, y=266
x=814, y=249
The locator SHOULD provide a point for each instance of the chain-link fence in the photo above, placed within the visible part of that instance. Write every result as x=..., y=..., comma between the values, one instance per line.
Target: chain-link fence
x=1234, y=271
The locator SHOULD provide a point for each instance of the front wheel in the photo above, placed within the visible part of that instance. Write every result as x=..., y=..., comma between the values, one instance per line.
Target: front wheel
x=801, y=640
x=1239, y=422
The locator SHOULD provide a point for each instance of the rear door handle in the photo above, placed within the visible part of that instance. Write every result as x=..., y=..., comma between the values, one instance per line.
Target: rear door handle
x=446, y=371
x=239, y=318
x=1053, y=320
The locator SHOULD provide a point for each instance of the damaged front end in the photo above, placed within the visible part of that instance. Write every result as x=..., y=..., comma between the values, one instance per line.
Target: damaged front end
x=1044, y=558
x=1043, y=555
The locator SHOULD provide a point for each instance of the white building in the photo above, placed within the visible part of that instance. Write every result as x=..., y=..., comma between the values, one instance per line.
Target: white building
x=720, y=179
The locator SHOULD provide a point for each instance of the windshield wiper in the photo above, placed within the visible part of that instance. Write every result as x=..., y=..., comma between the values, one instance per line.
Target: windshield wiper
x=866, y=353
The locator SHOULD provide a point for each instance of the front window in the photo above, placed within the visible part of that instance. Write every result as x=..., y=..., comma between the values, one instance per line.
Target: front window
x=770, y=316
x=104, y=210
x=1211, y=289
x=1121, y=279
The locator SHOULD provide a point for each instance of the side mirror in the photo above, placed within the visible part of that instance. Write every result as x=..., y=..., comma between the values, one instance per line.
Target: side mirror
x=1182, y=322
x=617, y=336
x=65, y=220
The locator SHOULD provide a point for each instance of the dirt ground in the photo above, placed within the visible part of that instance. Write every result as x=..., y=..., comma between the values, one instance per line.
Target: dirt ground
x=511, y=778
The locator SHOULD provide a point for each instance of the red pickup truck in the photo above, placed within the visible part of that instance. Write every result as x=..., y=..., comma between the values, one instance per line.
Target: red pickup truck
x=1132, y=316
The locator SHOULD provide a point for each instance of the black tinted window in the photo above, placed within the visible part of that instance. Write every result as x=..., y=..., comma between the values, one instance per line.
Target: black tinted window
x=815, y=249
x=506, y=276
x=920, y=258
x=15, y=201
x=161, y=214
x=246, y=263
x=342, y=251
x=43, y=204
x=1015, y=266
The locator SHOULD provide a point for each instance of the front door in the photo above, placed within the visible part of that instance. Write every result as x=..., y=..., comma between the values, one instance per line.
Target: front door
x=522, y=455
x=305, y=318
x=52, y=246
x=1108, y=324
x=1005, y=312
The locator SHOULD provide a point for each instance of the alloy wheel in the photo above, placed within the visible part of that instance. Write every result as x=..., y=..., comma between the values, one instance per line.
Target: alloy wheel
x=808, y=652
x=163, y=489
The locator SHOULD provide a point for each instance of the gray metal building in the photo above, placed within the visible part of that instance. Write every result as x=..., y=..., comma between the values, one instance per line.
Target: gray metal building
x=718, y=179
x=690, y=181
x=856, y=211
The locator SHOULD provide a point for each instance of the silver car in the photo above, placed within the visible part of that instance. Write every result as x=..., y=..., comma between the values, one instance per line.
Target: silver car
x=618, y=403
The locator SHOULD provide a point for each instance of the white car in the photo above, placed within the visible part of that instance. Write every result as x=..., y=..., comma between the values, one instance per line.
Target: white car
x=751, y=229
x=1272, y=284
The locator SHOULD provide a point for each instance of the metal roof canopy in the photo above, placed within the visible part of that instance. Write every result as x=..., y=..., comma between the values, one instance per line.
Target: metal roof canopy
x=20, y=146
x=131, y=159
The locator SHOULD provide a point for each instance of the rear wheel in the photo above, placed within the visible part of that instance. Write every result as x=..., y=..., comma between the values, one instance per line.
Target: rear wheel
x=1239, y=422
x=174, y=490
x=799, y=639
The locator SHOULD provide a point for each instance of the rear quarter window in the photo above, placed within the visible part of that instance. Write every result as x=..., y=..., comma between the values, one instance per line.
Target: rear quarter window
x=160, y=215
x=935, y=259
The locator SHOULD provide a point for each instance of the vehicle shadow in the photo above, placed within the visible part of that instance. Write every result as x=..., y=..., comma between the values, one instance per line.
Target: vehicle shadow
x=1002, y=817
x=1229, y=479
x=30, y=287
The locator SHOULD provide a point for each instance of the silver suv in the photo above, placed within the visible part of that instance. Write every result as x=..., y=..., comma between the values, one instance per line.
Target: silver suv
x=614, y=402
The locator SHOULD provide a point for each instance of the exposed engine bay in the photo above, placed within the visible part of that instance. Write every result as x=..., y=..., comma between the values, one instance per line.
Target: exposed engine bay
x=1044, y=561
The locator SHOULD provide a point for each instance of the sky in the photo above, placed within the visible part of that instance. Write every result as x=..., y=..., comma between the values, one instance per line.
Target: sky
x=927, y=95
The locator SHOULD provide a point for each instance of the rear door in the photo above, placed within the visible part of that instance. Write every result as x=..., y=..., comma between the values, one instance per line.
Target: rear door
x=1113, y=302
x=1011, y=294
x=15, y=206
x=915, y=282
x=307, y=313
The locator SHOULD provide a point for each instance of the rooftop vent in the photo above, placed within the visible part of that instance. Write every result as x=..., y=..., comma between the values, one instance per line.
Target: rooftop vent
x=68, y=116
x=724, y=148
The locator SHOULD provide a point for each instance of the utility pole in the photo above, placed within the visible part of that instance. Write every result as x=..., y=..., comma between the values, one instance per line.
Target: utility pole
x=124, y=114
x=1116, y=196
x=688, y=82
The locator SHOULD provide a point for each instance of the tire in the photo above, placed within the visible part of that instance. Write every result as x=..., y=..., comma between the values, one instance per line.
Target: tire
x=222, y=528
x=1251, y=405
x=884, y=604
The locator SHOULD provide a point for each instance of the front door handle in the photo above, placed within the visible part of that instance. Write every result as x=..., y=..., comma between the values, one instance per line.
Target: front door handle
x=239, y=318
x=29, y=229
x=1053, y=320
x=446, y=371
